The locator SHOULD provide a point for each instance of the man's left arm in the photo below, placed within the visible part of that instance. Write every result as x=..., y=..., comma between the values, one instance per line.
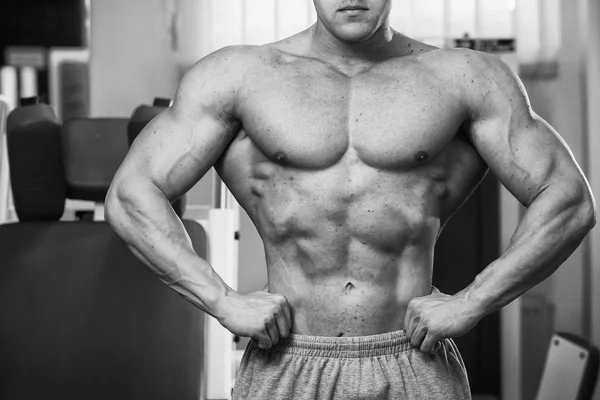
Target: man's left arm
x=535, y=164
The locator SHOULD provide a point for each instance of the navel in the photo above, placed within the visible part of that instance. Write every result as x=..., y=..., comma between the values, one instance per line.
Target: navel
x=421, y=156
x=348, y=288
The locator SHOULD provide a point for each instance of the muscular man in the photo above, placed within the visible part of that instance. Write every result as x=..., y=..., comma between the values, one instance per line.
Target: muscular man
x=350, y=146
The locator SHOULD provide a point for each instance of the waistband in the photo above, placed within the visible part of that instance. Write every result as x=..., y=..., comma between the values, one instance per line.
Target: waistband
x=344, y=347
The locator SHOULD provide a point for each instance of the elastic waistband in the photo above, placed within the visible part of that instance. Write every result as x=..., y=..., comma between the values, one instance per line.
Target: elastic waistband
x=344, y=347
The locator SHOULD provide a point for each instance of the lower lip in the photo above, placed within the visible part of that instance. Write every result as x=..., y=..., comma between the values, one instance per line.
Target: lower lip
x=353, y=12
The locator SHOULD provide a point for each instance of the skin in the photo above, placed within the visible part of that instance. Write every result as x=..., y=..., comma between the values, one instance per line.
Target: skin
x=350, y=146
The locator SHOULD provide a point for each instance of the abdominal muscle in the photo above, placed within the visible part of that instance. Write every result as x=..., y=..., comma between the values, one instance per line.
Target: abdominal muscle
x=363, y=294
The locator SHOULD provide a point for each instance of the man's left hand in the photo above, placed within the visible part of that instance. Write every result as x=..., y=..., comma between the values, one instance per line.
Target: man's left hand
x=438, y=316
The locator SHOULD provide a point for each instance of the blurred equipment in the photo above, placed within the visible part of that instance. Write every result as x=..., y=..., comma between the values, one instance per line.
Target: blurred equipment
x=503, y=48
x=9, y=84
x=4, y=178
x=537, y=328
x=29, y=86
x=36, y=170
x=80, y=316
x=69, y=82
x=571, y=369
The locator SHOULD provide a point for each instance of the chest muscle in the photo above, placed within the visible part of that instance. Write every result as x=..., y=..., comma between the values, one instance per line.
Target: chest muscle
x=393, y=120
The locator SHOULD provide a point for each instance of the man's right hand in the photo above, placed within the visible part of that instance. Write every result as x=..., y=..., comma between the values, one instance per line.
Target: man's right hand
x=262, y=316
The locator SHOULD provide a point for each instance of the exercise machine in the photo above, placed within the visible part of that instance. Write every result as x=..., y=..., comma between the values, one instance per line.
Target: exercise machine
x=80, y=151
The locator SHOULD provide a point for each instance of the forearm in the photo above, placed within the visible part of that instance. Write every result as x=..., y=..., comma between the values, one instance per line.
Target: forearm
x=554, y=225
x=142, y=216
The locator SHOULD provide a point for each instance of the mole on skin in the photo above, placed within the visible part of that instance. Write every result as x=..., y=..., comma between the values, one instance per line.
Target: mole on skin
x=421, y=156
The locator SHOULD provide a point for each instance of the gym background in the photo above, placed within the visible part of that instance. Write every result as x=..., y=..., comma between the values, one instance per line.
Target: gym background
x=103, y=58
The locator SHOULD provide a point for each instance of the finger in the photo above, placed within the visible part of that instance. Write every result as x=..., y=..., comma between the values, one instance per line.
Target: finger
x=282, y=325
x=413, y=324
x=265, y=288
x=287, y=314
x=264, y=342
x=429, y=343
x=408, y=317
x=285, y=308
x=272, y=330
x=418, y=336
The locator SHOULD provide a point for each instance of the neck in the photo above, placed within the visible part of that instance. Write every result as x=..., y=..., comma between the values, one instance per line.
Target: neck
x=380, y=45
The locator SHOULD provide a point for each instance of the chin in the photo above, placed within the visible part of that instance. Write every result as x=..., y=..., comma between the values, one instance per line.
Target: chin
x=354, y=33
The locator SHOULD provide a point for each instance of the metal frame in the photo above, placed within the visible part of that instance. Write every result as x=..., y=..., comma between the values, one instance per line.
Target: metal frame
x=4, y=172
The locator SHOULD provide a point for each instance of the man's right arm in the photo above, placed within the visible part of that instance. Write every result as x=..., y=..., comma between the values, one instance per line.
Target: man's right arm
x=168, y=157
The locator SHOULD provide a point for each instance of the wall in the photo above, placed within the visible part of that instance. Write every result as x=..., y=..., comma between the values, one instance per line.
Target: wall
x=590, y=16
x=136, y=53
x=132, y=57
x=561, y=101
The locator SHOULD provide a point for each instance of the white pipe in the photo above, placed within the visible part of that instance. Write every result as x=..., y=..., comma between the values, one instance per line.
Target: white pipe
x=29, y=84
x=225, y=197
x=4, y=175
x=510, y=316
x=219, y=345
x=99, y=212
x=8, y=86
x=217, y=200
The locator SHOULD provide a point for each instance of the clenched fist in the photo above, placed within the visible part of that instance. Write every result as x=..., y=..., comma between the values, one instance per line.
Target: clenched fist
x=433, y=318
x=263, y=316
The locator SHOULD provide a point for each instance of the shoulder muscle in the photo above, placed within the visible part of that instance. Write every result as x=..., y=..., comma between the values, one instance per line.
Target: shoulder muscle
x=212, y=85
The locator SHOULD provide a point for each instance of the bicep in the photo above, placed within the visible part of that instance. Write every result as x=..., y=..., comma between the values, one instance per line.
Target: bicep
x=174, y=152
x=524, y=152
x=181, y=144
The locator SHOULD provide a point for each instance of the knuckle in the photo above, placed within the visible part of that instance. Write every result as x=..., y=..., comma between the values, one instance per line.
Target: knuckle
x=432, y=328
x=281, y=299
x=413, y=304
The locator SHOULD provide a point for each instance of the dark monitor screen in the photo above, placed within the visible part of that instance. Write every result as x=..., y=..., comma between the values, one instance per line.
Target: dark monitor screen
x=46, y=23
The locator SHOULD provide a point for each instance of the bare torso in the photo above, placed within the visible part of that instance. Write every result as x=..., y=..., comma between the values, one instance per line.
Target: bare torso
x=349, y=179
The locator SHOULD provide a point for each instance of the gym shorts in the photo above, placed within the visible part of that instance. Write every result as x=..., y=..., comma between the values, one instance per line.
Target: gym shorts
x=383, y=366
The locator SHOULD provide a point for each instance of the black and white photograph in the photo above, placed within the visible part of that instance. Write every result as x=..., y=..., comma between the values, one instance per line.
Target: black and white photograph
x=299, y=199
